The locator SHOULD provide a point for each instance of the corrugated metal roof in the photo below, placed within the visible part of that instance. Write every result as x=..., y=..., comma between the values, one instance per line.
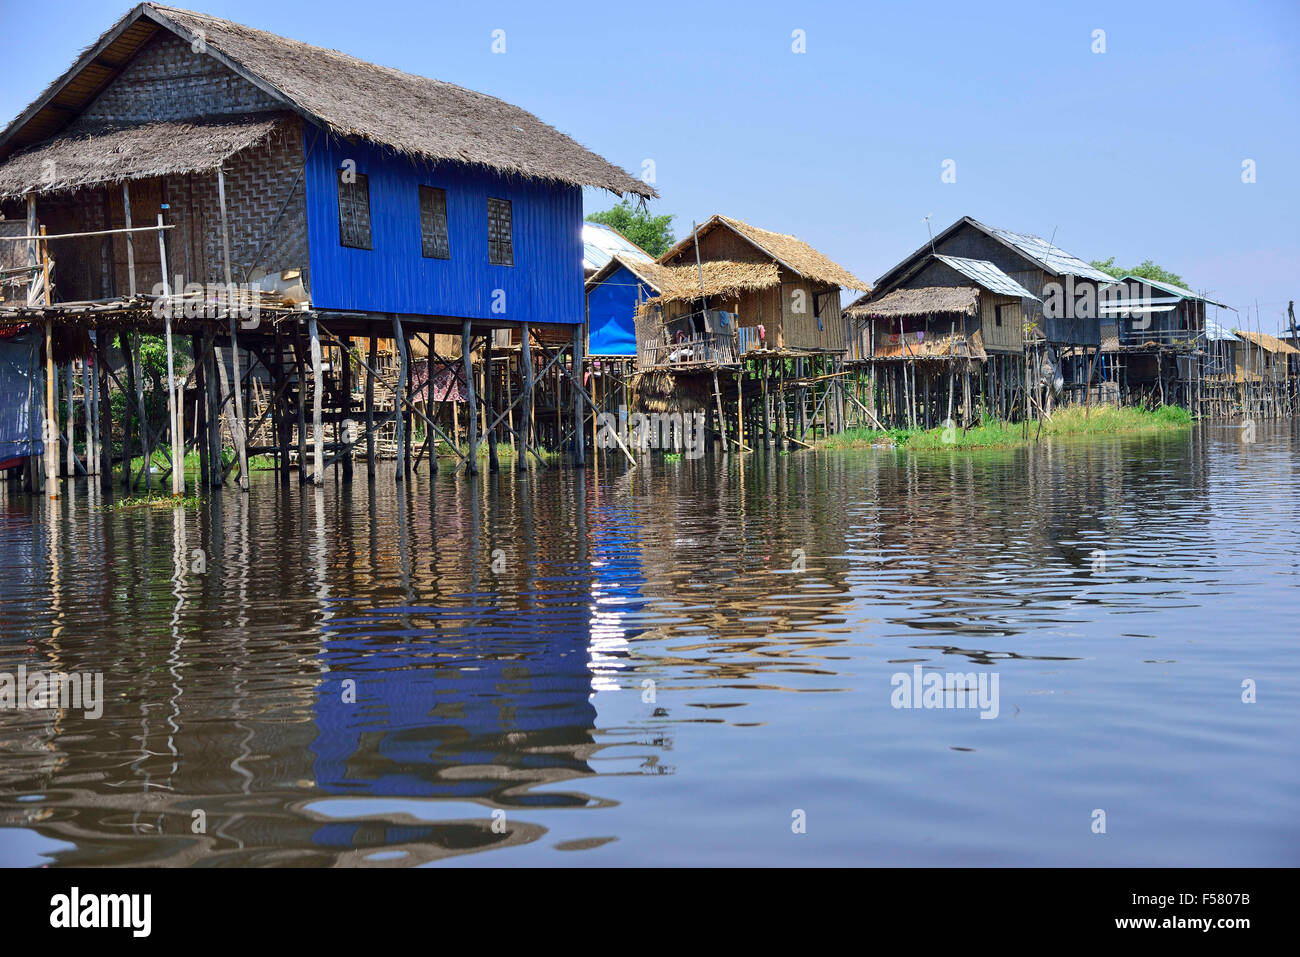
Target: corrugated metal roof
x=600, y=243
x=1216, y=332
x=987, y=275
x=1173, y=290
x=1050, y=256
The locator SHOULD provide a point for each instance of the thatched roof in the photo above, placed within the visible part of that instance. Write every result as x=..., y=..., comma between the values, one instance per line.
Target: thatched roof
x=789, y=251
x=108, y=153
x=923, y=301
x=411, y=115
x=1268, y=343
x=721, y=278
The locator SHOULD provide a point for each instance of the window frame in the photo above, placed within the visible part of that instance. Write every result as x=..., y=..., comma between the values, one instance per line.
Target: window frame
x=446, y=224
x=495, y=244
x=361, y=183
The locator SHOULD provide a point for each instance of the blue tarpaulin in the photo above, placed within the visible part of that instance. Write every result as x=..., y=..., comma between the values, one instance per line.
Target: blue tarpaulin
x=19, y=394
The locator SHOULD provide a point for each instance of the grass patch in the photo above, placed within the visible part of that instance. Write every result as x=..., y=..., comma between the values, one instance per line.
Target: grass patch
x=995, y=434
x=152, y=500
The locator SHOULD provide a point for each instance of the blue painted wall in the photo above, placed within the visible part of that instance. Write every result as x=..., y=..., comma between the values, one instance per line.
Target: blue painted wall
x=611, y=305
x=544, y=284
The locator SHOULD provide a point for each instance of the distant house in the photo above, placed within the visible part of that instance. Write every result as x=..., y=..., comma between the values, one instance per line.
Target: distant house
x=1063, y=289
x=942, y=307
x=600, y=243
x=1154, y=339
x=1261, y=358
x=731, y=289
x=617, y=284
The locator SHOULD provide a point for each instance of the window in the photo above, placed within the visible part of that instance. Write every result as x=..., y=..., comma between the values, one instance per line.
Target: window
x=354, y=209
x=997, y=316
x=501, y=250
x=434, y=243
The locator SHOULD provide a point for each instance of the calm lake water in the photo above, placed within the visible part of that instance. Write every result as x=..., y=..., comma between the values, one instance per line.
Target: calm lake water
x=689, y=663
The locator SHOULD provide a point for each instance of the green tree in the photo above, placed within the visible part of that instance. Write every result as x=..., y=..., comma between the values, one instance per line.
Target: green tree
x=1147, y=270
x=654, y=234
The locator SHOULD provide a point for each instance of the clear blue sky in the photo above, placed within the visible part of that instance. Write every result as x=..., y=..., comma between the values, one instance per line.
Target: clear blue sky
x=1136, y=152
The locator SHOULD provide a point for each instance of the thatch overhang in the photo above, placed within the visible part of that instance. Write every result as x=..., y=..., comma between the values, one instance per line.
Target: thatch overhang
x=721, y=278
x=414, y=116
x=93, y=155
x=922, y=301
x=789, y=251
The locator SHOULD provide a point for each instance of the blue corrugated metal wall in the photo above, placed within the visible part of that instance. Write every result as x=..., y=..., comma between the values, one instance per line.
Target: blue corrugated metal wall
x=544, y=285
x=611, y=304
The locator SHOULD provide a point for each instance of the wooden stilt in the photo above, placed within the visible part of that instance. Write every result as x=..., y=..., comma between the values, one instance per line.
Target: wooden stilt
x=402, y=372
x=105, y=413
x=300, y=369
x=201, y=438
x=318, y=388
x=471, y=411
x=579, y=440
x=526, y=400
x=175, y=414
x=489, y=404
x=345, y=386
x=212, y=376
x=370, y=409
x=240, y=432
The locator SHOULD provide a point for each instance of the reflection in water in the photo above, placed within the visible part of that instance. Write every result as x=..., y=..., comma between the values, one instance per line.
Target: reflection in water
x=657, y=665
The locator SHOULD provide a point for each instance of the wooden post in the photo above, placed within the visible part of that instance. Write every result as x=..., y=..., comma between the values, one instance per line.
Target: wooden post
x=579, y=439
x=51, y=406
x=201, y=438
x=241, y=439
x=70, y=454
x=130, y=239
x=176, y=414
x=213, y=407
x=489, y=404
x=526, y=400
x=471, y=411
x=398, y=413
x=318, y=388
x=345, y=384
x=370, y=409
x=88, y=409
x=300, y=366
x=104, y=411
x=740, y=406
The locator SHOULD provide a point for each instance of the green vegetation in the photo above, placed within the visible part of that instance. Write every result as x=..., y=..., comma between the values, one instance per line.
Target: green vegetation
x=1147, y=270
x=654, y=234
x=157, y=499
x=994, y=434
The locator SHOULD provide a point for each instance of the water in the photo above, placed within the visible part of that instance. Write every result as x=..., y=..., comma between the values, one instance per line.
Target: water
x=677, y=665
